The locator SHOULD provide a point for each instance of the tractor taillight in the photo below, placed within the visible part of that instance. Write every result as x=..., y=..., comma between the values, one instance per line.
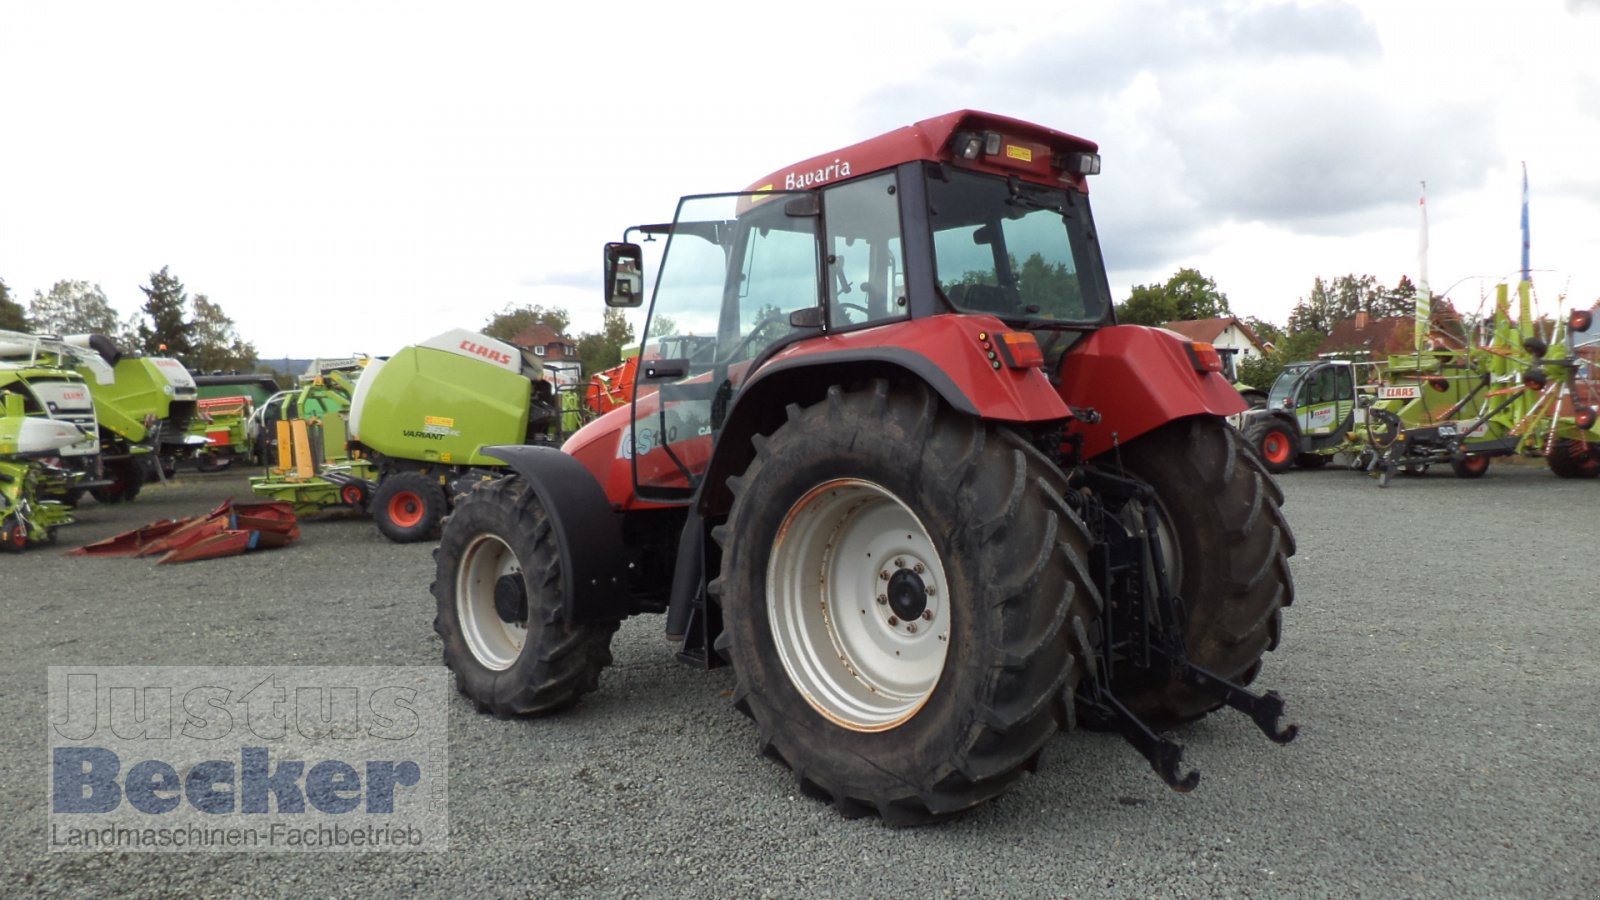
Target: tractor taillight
x=1584, y=417
x=1581, y=320
x=1019, y=350
x=1204, y=357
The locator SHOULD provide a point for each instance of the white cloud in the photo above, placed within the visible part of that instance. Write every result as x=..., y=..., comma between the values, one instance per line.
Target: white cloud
x=353, y=176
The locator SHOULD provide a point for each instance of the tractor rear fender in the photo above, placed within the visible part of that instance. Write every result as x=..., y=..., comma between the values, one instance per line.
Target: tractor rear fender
x=586, y=531
x=946, y=354
x=1138, y=379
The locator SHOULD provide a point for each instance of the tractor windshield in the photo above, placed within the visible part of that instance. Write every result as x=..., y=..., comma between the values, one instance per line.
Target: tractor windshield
x=1281, y=395
x=1019, y=251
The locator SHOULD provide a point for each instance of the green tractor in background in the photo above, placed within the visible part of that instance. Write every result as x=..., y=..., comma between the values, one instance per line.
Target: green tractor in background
x=416, y=421
x=26, y=442
x=1310, y=413
x=224, y=409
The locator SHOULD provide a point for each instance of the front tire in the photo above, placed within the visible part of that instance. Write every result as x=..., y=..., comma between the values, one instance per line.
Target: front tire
x=408, y=507
x=1221, y=518
x=905, y=599
x=1274, y=441
x=501, y=607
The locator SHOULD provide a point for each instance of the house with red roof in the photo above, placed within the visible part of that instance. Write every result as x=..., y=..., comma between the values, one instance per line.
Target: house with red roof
x=547, y=343
x=1228, y=334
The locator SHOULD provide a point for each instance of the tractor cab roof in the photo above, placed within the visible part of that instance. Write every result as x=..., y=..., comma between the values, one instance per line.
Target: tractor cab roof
x=975, y=140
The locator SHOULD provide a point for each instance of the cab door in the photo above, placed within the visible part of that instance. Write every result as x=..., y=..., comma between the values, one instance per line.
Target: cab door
x=736, y=269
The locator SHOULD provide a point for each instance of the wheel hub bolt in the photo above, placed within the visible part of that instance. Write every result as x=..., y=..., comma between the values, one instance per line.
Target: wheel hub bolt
x=893, y=621
x=884, y=575
x=899, y=563
x=918, y=568
x=883, y=598
x=911, y=628
x=928, y=613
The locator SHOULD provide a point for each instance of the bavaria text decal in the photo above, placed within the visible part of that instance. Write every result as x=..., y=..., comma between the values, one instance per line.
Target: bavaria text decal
x=799, y=181
x=238, y=758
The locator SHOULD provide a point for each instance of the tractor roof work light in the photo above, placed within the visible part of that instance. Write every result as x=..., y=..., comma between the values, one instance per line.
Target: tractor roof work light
x=966, y=145
x=1079, y=163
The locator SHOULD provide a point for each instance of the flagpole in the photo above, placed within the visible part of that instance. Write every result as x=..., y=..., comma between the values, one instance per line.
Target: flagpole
x=1424, y=296
x=1525, y=241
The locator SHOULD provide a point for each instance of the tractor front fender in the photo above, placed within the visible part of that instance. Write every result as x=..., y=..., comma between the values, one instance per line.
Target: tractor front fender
x=1138, y=379
x=944, y=352
x=584, y=527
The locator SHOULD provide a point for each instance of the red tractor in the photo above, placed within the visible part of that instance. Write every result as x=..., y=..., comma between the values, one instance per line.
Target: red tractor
x=921, y=491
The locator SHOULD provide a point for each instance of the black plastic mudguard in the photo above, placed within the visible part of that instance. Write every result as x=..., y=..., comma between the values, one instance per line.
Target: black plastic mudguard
x=593, y=558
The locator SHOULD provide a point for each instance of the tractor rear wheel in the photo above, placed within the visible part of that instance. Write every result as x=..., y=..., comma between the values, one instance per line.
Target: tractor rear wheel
x=1574, y=459
x=905, y=599
x=1275, y=441
x=1228, y=547
x=408, y=507
x=501, y=607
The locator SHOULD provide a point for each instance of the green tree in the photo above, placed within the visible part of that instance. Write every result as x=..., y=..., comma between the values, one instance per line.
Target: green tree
x=1265, y=332
x=1260, y=371
x=73, y=307
x=217, y=347
x=1186, y=295
x=165, y=306
x=510, y=322
x=600, y=350
x=1332, y=302
x=12, y=316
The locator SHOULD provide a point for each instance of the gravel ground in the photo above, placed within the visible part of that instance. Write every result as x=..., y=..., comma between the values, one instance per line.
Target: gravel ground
x=1441, y=660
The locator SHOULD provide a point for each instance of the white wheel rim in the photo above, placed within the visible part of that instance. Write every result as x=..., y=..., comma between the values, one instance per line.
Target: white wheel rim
x=863, y=660
x=495, y=643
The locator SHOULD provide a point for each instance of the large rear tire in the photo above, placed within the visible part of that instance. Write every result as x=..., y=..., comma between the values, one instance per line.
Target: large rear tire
x=409, y=507
x=1574, y=459
x=1275, y=441
x=1228, y=546
x=501, y=600
x=906, y=602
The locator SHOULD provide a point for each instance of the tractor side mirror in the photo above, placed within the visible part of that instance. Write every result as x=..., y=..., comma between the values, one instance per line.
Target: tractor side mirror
x=624, y=278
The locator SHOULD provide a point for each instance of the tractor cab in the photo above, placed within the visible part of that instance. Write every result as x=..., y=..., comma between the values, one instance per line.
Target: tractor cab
x=968, y=215
x=1321, y=396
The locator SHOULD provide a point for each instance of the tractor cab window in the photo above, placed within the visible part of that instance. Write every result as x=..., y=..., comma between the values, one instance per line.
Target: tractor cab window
x=1018, y=251
x=735, y=269
x=865, y=273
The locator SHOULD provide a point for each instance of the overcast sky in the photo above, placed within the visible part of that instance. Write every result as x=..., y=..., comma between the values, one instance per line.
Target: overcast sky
x=351, y=177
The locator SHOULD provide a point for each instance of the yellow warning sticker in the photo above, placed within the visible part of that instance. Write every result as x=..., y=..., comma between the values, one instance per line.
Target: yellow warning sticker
x=439, y=420
x=1023, y=153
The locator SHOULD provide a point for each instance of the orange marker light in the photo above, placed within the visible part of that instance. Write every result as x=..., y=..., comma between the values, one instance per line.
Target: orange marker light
x=1204, y=357
x=1020, y=350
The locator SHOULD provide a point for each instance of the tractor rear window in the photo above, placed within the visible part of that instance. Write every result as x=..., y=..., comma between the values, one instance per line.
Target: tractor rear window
x=1013, y=250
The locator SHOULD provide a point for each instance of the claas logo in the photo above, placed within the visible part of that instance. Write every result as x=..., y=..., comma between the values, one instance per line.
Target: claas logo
x=488, y=353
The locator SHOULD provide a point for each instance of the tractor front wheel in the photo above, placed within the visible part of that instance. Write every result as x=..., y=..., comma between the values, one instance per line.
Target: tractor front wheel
x=1228, y=546
x=501, y=607
x=408, y=507
x=1275, y=441
x=1574, y=459
x=905, y=599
